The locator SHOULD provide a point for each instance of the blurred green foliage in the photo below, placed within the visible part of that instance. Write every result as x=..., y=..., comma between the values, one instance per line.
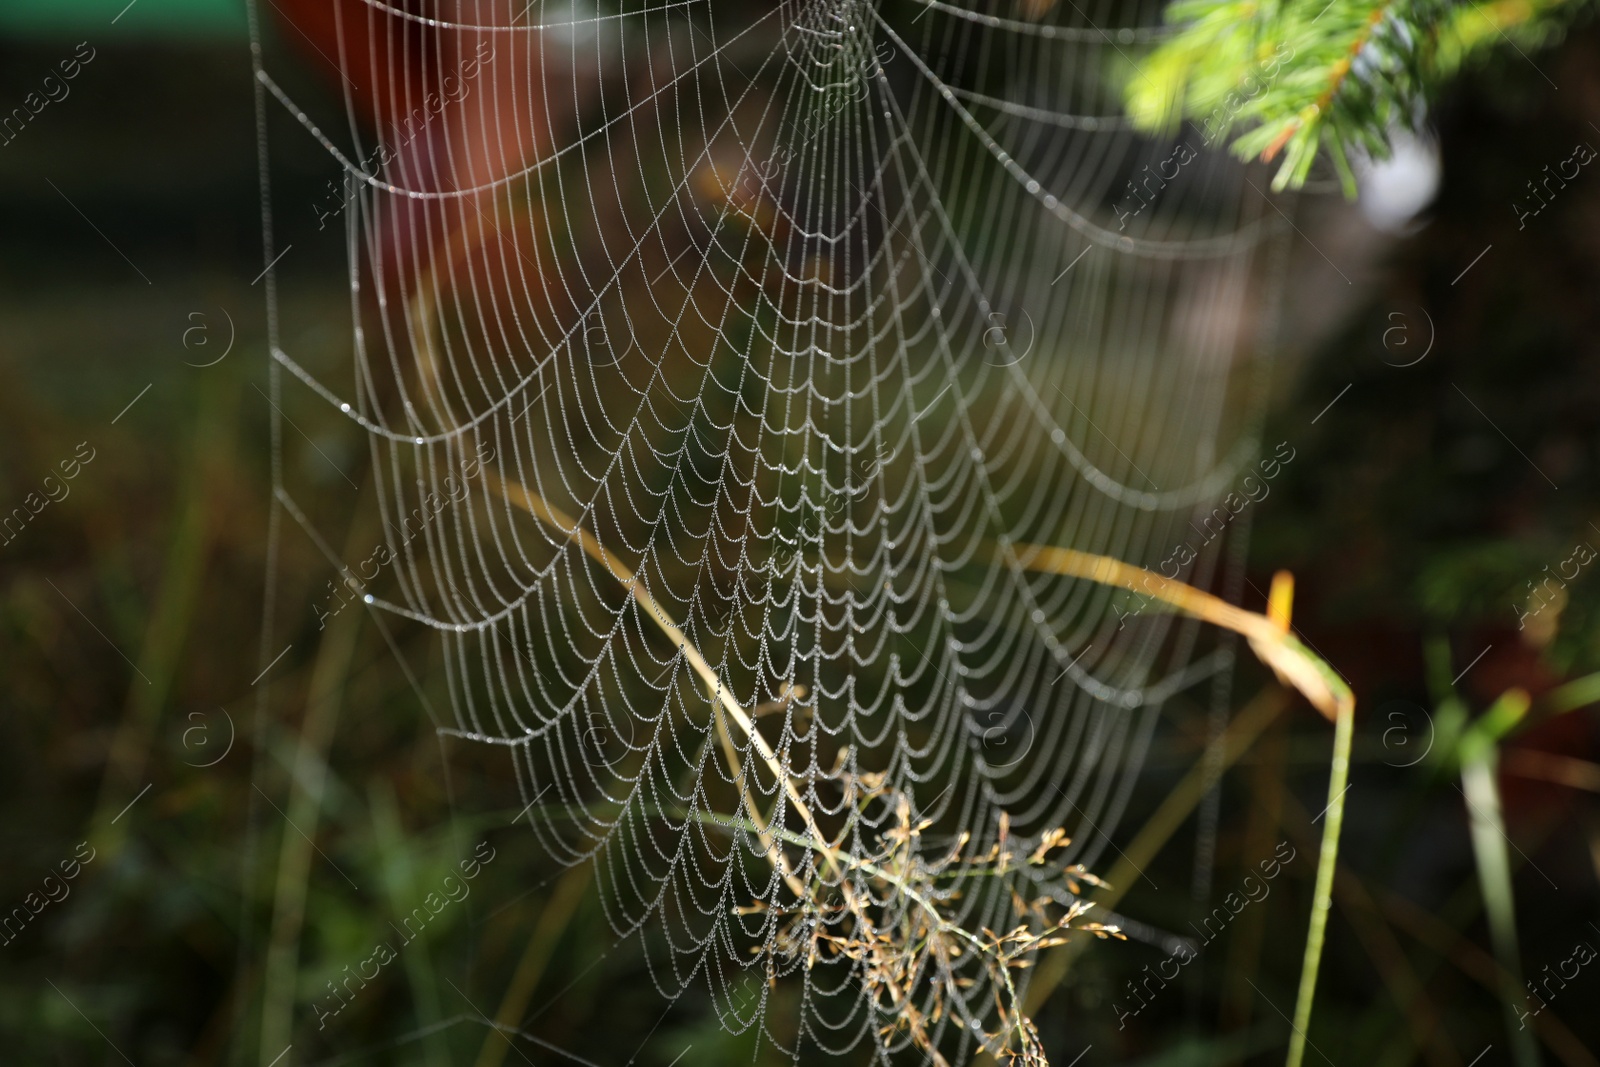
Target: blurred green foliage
x=1334, y=78
x=147, y=18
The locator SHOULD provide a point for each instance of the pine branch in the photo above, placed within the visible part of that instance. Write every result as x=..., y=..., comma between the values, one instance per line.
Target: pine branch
x=1298, y=76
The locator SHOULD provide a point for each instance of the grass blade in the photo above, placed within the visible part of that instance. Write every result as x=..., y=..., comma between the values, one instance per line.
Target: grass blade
x=1322, y=895
x=1294, y=664
x=1479, y=769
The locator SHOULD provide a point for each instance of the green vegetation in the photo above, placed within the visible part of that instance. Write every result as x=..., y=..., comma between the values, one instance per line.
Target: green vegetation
x=1295, y=77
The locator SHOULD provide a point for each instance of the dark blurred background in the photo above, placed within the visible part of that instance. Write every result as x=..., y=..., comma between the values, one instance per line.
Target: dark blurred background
x=1419, y=517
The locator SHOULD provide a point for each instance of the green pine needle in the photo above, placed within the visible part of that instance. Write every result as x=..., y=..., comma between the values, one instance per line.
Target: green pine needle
x=1298, y=76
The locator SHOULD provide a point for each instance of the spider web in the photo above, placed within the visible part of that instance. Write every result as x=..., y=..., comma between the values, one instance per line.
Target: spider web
x=716, y=358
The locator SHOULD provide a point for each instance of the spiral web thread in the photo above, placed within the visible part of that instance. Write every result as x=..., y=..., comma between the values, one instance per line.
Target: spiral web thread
x=785, y=323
